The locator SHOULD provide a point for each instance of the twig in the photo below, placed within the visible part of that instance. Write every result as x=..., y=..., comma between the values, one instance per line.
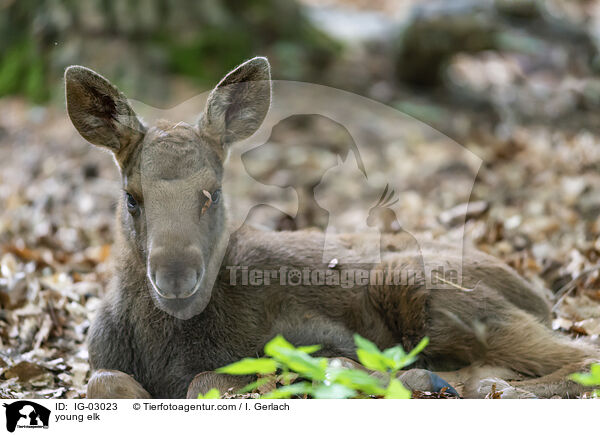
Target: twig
x=566, y=289
x=456, y=285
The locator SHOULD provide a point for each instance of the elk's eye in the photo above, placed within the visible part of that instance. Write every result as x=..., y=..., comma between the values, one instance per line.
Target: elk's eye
x=132, y=205
x=216, y=195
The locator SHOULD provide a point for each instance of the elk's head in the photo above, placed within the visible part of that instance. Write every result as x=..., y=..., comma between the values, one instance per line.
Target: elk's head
x=171, y=214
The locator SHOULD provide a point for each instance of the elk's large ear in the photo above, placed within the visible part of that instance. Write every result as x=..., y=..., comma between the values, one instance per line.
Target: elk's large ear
x=238, y=105
x=99, y=112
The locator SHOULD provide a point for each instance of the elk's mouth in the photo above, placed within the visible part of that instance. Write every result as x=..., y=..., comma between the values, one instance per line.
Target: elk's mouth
x=181, y=307
x=175, y=283
x=176, y=305
x=177, y=290
x=185, y=295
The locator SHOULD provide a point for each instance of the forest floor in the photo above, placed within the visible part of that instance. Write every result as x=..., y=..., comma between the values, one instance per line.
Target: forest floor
x=537, y=199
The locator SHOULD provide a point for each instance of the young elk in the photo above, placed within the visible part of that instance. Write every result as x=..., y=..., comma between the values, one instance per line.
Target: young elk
x=173, y=311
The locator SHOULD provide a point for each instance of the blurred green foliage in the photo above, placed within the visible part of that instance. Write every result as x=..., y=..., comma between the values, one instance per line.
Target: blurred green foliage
x=591, y=379
x=23, y=71
x=22, y=65
x=233, y=30
x=133, y=40
x=305, y=375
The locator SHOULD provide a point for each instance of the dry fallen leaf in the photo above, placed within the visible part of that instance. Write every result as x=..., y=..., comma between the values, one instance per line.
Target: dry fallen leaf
x=24, y=370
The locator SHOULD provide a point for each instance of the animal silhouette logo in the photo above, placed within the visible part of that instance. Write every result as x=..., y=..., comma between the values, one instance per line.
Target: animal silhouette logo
x=288, y=159
x=26, y=414
x=347, y=173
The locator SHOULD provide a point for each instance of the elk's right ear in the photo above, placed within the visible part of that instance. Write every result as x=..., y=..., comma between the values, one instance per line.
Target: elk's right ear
x=99, y=112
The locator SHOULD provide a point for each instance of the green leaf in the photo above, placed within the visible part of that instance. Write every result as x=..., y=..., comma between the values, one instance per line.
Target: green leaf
x=297, y=360
x=357, y=380
x=254, y=385
x=419, y=347
x=303, y=364
x=585, y=379
x=590, y=379
x=333, y=391
x=396, y=390
x=210, y=394
x=287, y=377
x=249, y=366
x=400, y=358
x=373, y=361
x=366, y=345
x=273, y=347
x=396, y=353
x=595, y=371
x=289, y=390
x=309, y=349
x=370, y=356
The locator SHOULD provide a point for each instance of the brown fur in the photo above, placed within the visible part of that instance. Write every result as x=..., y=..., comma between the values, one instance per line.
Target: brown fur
x=171, y=233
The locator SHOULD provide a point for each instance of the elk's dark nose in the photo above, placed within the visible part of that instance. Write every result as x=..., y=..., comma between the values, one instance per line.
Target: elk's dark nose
x=175, y=282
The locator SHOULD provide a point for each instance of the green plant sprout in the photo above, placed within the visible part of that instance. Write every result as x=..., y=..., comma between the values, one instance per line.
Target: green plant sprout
x=591, y=379
x=318, y=377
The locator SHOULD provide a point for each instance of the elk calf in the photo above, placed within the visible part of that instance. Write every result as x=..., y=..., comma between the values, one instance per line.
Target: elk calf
x=172, y=312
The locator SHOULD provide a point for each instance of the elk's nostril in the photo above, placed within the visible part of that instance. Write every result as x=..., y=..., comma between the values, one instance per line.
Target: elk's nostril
x=174, y=283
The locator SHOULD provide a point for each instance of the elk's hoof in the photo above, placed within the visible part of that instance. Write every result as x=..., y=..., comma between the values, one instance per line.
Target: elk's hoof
x=113, y=384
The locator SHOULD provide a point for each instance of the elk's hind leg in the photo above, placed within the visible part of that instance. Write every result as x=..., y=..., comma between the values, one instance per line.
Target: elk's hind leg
x=545, y=387
x=483, y=328
x=557, y=383
x=525, y=345
x=113, y=384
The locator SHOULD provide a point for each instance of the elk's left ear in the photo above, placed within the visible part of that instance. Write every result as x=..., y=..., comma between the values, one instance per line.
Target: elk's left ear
x=99, y=112
x=238, y=105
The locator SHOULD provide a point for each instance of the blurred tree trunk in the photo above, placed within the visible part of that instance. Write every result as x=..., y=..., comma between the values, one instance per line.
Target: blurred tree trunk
x=438, y=31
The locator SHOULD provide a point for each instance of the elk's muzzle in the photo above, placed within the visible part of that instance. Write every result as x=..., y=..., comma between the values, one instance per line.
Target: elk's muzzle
x=176, y=275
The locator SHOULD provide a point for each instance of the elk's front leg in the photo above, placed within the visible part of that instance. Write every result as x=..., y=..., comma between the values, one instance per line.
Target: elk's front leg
x=113, y=384
x=206, y=381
